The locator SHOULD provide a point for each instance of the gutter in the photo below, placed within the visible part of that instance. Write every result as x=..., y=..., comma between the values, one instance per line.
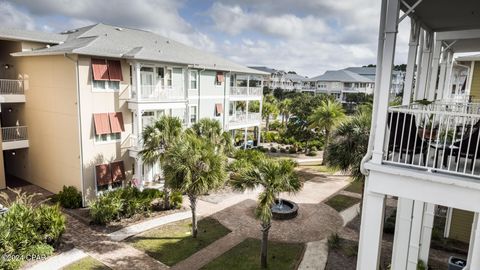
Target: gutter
x=82, y=185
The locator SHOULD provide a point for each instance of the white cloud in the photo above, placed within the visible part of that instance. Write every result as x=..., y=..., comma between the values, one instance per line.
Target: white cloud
x=14, y=18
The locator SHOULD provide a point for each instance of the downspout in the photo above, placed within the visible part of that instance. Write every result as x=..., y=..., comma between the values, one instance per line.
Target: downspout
x=381, y=40
x=82, y=185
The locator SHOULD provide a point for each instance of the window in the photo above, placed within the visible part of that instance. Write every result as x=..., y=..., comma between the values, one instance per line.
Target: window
x=106, y=74
x=168, y=77
x=112, y=137
x=106, y=85
x=219, y=78
x=218, y=109
x=108, y=127
x=193, y=114
x=193, y=79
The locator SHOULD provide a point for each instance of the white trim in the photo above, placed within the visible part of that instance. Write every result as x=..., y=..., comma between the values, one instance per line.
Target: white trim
x=448, y=222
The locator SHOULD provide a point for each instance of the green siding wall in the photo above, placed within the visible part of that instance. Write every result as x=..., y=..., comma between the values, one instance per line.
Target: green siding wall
x=461, y=225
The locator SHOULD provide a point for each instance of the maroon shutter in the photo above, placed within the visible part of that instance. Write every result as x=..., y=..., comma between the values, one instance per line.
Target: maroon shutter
x=116, y=122
x=115, y=70
x=103, y=174
x=118, y=171
x=100, y=70
x=102, y=125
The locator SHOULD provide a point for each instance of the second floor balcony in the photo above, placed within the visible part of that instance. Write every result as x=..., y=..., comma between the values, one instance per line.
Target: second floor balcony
x=14, y=137
x=12, y=91
x=246, y=92
x=438, y=138
x=243, y=119
x=158, y=93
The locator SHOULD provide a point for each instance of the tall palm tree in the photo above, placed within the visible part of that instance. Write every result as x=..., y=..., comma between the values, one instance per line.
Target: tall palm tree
x=193, y=166
x=268, y=110
x=274, y=176
x=326, y=117
x=211, y=130
x=284, y=108
x=157, y=138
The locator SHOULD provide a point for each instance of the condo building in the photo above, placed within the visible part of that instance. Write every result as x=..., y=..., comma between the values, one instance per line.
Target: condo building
x=74, y=105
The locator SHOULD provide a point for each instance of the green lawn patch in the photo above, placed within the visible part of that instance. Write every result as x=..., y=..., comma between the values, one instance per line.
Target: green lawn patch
x=87, y=263
x=341, y=202
x=172, y=243
x=355, y=186
x=246, y=256
x=319, y=168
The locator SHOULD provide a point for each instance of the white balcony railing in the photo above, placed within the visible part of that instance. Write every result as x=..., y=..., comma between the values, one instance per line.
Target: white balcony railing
x=437, y=138
x=158, y=93
x=245, y=91
x=11, y=87
x=244, y=118
x=17, y=133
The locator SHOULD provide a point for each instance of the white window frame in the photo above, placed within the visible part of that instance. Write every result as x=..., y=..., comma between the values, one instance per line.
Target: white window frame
x=190, y=72
x=216, y=82
x=193, y=108
x=107, y=89
x=110, y=138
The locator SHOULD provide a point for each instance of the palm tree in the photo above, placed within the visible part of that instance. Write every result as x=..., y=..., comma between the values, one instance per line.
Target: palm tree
x=350, y=144
x=284, y=108
x=194, y=166
x=274, y=176
x=326, y=117
x=268, y=110
x=157, y=138
x=211, y=130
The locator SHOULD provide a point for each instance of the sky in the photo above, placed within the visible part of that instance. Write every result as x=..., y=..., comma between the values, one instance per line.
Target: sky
x=306, y=36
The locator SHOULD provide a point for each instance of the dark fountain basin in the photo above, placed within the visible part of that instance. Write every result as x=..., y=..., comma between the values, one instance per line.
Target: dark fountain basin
x=284, y=210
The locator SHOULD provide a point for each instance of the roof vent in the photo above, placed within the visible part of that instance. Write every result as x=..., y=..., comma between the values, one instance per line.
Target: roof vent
x=168, y=41
x=118, y=28
x=69, y=31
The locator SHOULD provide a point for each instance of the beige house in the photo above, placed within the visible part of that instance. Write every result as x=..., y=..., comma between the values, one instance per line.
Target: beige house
x=85, y=95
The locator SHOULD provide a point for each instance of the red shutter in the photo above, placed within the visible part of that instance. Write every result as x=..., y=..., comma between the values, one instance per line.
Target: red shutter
x=220, y=77
x=103, y=174
x=115, y=70
x=118, y=171
x=218, y=109
x=102, y=125
x=100, y=70
x=116, y=122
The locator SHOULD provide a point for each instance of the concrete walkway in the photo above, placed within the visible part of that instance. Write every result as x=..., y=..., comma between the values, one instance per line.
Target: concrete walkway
x=61, y=260
x=350, y=213
x=315, y=257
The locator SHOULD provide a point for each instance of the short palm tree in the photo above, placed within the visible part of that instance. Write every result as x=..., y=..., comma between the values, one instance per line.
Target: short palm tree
x=274, y=176
x=211, y=130
x=326, y=117
x=193, y=166
x=157, y=138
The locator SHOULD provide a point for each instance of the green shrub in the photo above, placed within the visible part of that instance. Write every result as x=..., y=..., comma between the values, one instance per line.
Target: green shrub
x=28, y=229
x=275, y=125
x=313, y=148
x=270, y=136
x=389, y=224
x=69, y=197
x=292, y=150
x=311, y=153
x=105, y=208
x=273, y=149
x=333, y=241
x=176, y=200
x=283, y=150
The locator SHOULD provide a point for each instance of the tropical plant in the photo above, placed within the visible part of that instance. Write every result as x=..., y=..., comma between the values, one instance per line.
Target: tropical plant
x=157, y=138
x=275, y=176
x=211, y=130
x=326, y=117
x=194, y=166
x=269, y=110
x=284, y=109
x=69, y=197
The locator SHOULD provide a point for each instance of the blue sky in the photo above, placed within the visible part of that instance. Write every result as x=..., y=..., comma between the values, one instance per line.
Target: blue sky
x=307, y=36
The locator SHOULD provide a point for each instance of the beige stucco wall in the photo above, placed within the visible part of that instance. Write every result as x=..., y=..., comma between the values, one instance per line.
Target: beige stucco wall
x=52, y=160
x=102, y=102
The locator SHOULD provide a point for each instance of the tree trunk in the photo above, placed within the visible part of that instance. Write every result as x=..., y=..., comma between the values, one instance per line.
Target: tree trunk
x=166, y=198
x=193, y=207
x=263, y=255
x=325, y=147
x=267, y=122
x=283, y=119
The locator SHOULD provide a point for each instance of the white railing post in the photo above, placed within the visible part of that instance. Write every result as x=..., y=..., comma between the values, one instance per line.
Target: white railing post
x=16, y=133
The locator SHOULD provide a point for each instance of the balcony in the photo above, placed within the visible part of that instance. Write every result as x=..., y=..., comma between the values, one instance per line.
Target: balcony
x=158, y=93
x=437, y=138
x=242, y=120
x=12, y=91
x=244, y=93
x=14, y=137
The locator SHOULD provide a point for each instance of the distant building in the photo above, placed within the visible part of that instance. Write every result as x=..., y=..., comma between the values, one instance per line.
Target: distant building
x=398, y=77
x=281, y=79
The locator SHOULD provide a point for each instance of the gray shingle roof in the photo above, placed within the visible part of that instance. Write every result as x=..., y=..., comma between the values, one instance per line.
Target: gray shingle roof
x=295, y=77
x=341, y=76
x=111, y=41
x=27, y=35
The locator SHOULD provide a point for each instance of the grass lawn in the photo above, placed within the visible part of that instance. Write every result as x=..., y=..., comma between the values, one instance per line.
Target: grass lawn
x=246, y=256
x=87, y=263
x=172, y=243
x=355, y=186
x=341, y=202
x=319, y=168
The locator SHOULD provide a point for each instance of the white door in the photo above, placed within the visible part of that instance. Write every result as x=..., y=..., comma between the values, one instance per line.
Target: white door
x=147, y=81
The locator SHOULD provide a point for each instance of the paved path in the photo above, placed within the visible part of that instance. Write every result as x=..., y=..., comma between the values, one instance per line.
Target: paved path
x=209, y=253
x=113, y=254
x=60, y=260
x=315, y=257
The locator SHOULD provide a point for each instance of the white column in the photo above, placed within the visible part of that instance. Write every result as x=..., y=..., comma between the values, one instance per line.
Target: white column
x=245, y=138
x=447, y=88
x=139, y=172
x=425, y=67
x=426, y=236
x=401, y=239
x=469, y=79
x=371, y=231
x=248, y=85
x=441, y=79
x=419, y=63
x=432, y=85
x=412, y=57
x=415, y=235
x=138, y=81
x=473, y=260
x=391, y=29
